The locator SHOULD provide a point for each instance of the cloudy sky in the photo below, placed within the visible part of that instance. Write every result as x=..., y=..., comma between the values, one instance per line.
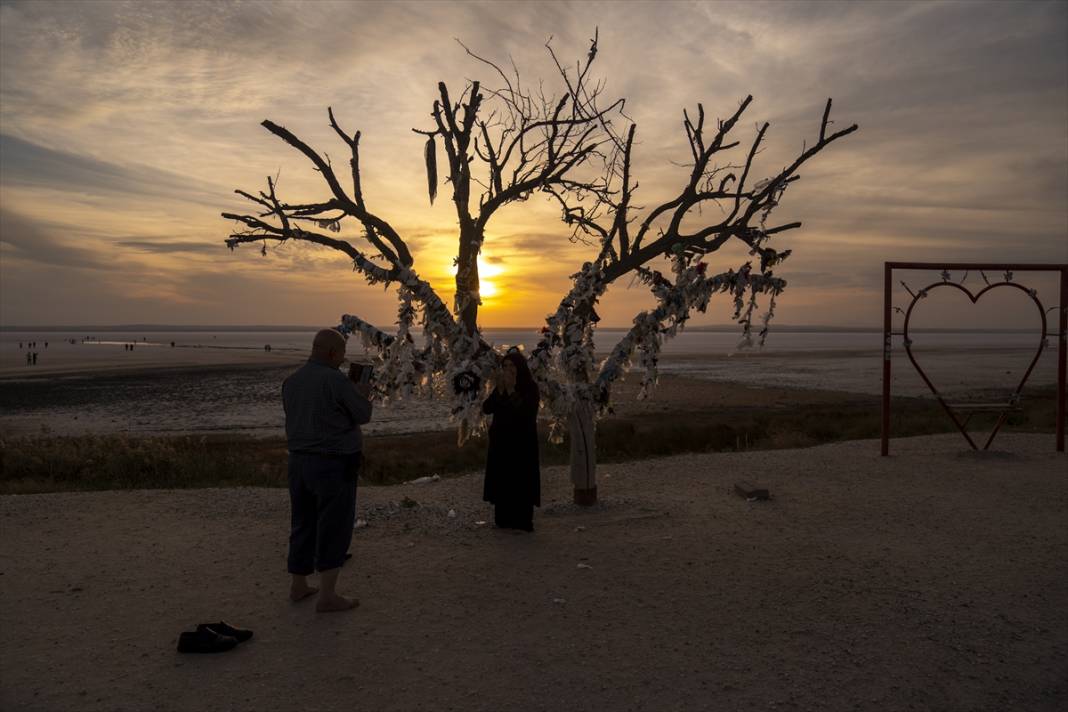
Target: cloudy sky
x=125, y=127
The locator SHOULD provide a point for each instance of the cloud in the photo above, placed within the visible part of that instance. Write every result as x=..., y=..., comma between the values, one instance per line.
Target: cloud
x=838, y=279
x=127, y=124
x=28, y=164
x=171, y=247
x=43, y=243
x=548, y=246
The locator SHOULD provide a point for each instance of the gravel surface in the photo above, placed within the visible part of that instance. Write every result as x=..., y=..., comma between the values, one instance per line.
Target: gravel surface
x=932, y=579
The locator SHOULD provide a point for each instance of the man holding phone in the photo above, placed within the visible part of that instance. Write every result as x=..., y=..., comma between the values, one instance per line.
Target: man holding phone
x=324, y=411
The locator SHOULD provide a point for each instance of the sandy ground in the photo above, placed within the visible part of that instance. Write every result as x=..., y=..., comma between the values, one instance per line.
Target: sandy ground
x=109, y=358
x=933, y=579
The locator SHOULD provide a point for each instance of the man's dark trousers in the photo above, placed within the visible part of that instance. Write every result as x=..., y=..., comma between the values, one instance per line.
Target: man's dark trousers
x=322, y=495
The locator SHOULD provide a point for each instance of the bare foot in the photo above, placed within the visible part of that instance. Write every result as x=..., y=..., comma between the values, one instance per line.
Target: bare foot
x=335, y=603
x=299, y=593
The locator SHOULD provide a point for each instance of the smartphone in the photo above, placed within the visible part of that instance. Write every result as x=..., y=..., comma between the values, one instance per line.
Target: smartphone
x=360, y=372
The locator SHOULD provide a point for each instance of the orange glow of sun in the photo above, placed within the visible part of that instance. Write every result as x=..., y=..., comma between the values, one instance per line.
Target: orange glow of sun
x=486, y=271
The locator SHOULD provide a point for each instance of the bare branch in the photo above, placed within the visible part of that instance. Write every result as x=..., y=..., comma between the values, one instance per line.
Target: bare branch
x=374, y=225
x=354, y=162
x=823, y=122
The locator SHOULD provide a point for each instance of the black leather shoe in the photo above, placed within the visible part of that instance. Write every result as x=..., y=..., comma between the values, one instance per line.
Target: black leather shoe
x=205, y=640
x=224, y=628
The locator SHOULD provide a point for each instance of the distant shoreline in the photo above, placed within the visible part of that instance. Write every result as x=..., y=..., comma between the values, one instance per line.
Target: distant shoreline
x=260, y=328
x=250, y=359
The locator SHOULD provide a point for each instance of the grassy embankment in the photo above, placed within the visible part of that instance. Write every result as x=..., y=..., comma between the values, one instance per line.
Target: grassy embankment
x=48, y=464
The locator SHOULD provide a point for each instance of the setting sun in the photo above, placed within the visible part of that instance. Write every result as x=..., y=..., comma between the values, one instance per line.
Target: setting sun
x=486, y=271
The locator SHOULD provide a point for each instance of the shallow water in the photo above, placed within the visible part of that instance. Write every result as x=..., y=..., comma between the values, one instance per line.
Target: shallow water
x=225, y=382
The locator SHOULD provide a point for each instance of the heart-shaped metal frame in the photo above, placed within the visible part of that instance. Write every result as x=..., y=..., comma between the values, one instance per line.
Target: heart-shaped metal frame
x=1002, y=409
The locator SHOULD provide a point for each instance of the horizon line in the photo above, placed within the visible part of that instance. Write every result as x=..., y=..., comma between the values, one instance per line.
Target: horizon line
x=826, y=328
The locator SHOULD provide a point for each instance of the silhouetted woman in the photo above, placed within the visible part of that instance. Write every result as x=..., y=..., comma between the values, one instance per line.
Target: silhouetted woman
x=513, y=475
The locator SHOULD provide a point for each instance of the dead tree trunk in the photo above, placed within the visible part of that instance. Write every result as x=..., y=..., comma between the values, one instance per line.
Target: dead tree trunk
x=582, y=432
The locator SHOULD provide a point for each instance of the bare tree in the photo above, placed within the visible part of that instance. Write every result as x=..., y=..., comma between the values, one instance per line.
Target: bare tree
x=563, y=361
x=502, y=146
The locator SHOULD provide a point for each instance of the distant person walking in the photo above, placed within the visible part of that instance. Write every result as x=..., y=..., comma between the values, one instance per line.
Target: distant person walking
x=34, y=358
x=513, y=474
x=324, y=411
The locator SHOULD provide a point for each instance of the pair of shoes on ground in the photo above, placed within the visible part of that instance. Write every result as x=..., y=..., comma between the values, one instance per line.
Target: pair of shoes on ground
x=212, y=638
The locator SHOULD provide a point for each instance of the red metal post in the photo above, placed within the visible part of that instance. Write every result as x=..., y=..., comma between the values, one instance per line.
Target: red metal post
x=1062, y=356
x=887, y=342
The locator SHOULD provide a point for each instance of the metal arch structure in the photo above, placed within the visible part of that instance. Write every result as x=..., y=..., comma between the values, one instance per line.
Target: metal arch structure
x=1001, y=408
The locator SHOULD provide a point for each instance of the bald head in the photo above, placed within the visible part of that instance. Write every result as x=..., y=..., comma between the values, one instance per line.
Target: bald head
x=329, y=345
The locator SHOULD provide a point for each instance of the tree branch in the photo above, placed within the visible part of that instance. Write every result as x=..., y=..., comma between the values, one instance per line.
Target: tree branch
x=374, y=225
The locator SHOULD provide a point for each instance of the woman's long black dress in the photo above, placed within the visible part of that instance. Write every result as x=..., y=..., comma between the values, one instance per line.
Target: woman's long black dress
x=513, y=474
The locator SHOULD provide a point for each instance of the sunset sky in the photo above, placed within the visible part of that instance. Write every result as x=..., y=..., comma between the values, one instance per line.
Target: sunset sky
x=125, y=128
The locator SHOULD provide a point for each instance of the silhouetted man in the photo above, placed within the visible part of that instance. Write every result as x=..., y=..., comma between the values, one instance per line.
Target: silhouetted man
x=324, y=411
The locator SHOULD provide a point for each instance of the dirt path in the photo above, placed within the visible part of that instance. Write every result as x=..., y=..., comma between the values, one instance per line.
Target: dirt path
x=934, y=579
